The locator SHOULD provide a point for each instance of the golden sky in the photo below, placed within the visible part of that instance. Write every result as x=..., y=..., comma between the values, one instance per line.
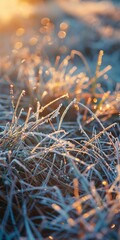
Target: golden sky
x=9, y=8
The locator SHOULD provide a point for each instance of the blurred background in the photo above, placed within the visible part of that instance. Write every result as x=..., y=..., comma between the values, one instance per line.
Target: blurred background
x=51, y=28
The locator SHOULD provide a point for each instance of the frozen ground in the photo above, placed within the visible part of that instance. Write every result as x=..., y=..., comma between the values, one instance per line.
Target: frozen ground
x=59, y=163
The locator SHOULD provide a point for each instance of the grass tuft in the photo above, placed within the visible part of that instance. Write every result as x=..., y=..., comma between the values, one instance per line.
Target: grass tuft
x=59, y=156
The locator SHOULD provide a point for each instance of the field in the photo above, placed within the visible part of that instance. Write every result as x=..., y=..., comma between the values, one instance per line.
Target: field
x=60, y=122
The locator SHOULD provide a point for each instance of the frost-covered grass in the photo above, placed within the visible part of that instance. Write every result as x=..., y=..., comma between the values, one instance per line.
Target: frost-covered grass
x=59, y=150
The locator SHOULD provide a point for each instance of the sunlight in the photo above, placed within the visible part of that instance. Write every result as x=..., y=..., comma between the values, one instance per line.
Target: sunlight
x=10, y=8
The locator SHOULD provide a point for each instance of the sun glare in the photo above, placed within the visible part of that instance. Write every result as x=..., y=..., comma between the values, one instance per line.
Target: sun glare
x=10, y=8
